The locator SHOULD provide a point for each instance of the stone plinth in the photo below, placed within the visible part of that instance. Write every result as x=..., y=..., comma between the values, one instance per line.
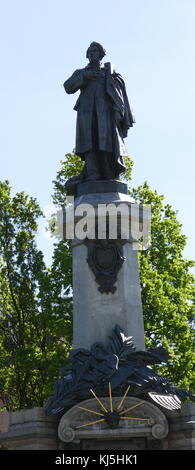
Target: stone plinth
x=95, y=311
x=182, y=428
x=31, y=430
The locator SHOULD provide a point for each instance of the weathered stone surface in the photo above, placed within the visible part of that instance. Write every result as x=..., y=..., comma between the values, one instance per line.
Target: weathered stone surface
x=95, y=313
x=182, y=428
x=146, y=420
x=103, y=198
x=31, y=429
x=4, y=419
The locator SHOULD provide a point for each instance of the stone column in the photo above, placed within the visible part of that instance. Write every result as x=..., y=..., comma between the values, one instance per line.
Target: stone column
x=95, y=311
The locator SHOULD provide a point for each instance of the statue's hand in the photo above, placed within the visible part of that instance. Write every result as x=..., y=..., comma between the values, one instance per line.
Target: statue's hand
x=91, y=74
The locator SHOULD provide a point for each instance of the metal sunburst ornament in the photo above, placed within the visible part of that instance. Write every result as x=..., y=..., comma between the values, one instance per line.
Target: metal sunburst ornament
x=111, y=416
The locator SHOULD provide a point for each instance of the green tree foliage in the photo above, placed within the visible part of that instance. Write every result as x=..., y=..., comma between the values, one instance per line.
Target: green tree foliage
x=167, y=289
x=167, y=284
x=35, y=305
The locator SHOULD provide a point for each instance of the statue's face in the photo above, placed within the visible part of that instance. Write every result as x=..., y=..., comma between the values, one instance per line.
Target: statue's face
x=94, y=54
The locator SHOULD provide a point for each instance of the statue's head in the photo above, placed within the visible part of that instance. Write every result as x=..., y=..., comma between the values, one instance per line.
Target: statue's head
x=95, y=52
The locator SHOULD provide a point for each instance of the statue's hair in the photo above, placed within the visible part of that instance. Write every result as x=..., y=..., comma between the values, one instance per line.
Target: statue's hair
x=100, y=47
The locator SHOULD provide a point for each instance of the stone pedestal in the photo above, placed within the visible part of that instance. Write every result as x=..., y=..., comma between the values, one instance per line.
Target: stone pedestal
x=96, y=313
x=97, y=310
x=31, y=430
x=182, y=428
x=165, y=430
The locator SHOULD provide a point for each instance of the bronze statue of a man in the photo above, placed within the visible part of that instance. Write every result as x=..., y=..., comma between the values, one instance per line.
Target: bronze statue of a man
x=103, y=116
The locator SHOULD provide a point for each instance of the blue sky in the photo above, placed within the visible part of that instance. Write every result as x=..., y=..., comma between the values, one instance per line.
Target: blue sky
x=150, y=42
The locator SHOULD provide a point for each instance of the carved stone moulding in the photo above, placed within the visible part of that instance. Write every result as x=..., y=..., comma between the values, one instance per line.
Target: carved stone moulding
x=105, y=258
x=136, y=418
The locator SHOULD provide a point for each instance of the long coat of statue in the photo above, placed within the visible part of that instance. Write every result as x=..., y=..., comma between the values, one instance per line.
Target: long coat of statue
x=96, y=106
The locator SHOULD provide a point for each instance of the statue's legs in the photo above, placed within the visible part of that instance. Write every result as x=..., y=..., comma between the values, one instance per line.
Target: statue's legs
x=99, y=165
x=92, y=166
x=107, y=165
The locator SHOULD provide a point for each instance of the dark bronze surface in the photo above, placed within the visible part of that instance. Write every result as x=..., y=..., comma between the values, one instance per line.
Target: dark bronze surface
x=111, y=186
x=119, y=363
x=103, y=117
x=105, y=258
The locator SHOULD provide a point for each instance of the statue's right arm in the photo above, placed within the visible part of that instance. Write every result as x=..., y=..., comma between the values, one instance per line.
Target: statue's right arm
x=75, y=82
